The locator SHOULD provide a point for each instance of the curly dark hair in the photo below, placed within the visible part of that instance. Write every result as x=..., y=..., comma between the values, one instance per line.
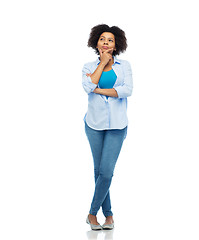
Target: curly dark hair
x=120, y=38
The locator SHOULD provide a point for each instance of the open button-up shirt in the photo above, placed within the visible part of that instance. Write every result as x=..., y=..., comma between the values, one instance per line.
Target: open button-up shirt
x=111, y=113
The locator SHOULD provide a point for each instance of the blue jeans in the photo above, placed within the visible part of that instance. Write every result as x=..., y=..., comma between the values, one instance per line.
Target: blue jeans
x=105, y=147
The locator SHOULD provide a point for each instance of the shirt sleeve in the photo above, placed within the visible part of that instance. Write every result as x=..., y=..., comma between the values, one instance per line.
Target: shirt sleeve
x=87, y=83
x=125, y=90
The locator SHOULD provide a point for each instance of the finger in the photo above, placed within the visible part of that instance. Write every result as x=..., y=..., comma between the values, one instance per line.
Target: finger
x=108, y=50
x=100, y=51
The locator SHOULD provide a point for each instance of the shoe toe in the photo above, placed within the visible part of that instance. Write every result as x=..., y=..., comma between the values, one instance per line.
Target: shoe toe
x=108, y=226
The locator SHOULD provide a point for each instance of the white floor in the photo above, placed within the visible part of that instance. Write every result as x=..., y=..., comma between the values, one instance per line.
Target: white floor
x=100, y=235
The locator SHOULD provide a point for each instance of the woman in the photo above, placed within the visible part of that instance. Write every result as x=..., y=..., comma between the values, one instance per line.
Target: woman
x=108, y=82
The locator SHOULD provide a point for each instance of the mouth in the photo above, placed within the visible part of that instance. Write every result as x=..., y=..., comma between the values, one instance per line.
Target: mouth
x=105, y=47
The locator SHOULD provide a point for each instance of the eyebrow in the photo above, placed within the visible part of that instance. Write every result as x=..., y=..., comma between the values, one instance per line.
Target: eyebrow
x=108, y=38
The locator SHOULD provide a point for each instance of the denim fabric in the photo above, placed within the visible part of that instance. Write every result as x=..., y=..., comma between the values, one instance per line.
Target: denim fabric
x=105, y=147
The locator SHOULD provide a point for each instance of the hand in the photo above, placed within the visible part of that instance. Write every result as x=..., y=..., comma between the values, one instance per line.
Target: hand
x=96, y=90
x=88, y=74
x=105, y=56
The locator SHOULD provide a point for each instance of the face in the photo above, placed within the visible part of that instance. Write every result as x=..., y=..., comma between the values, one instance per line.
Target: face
x=106, y=41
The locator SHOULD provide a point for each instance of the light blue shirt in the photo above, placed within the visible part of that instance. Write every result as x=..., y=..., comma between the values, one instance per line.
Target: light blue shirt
x=111, y=113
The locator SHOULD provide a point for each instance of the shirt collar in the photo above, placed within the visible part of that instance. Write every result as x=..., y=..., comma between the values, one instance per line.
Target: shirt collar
x=114, y=58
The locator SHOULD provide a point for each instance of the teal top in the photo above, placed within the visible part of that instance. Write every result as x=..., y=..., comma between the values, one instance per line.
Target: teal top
x=107, y=79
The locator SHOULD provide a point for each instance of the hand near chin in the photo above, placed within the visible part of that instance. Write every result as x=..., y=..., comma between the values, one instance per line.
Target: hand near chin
x=106, y=56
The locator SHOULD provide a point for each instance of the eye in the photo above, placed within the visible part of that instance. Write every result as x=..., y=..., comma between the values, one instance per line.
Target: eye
x=110, y=40
x=101, y=39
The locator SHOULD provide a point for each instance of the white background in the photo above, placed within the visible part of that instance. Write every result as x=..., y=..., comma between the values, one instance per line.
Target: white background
x=46, y=171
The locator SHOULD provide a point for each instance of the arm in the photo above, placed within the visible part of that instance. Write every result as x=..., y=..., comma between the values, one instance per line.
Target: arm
x=121, y=91
x=107, y=92
x=87, y=83
x=95, y=77
x=105, y=57
x=90, y=80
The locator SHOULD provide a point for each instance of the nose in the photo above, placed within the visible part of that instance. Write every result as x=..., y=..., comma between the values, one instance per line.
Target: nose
x=105, y=42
